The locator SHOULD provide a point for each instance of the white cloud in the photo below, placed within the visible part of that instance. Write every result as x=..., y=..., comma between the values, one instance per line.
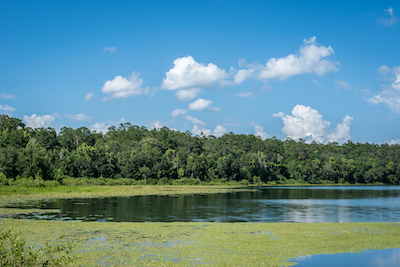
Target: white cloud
x=390, y=94
x=200, y=131
x=311, y=58
x=7, y=109
x=280, y=114
x=80, y=117
x=259, y=131
x=200, y=104
x=5, y=95
x=219, y=131
x=342, y=131
x=89, y=96
x=177, y=112
x=343, y=84
x=395, y=142
x=121, y=87
x=103, y=126
x=110, y=49
x=390, y=21
x=188, y=94
x=36, y=121
x=203, y=104
x=308, y=124
x=99, y=127
x=187, y=73
x=194, y=120
x=157, y=125
x=245, y=94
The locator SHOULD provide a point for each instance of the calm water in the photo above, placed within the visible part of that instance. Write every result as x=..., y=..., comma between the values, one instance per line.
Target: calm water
x=369, y=258
x=273, y=204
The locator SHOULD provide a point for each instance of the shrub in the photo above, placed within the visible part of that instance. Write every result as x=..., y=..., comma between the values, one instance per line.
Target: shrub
x=187, y=181
x=15, y=252
x=244, y=182
x=3, y=179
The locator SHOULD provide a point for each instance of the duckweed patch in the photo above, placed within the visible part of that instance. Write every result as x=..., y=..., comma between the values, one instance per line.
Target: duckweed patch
x=208, y=244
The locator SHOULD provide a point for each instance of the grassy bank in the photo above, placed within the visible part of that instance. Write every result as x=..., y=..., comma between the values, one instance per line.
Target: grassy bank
x=210, y=244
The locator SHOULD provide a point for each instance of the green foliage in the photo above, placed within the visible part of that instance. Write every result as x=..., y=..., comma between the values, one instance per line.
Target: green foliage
x=15, y=252
x=3, y=179
x=164, y=156
x=187, y=181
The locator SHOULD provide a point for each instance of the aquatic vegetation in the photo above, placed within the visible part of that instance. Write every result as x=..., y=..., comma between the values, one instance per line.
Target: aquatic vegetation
x=10, y=212
x=216, y=244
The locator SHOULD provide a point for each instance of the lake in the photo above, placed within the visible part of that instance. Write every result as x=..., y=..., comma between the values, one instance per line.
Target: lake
x=265, y=204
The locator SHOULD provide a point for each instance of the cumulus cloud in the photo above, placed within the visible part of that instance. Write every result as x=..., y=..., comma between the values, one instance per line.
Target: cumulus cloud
x=194, y=120
x=342, y=131
x=340, y=84
x=219, y=131
x=110, y=49
x=157, y=125
x=259, y=131
x=178, y=112
x=202, y=104
x=89, y=96
x=311, y=58
x=80, y=117
x=102, y=127
x=200, y=131
x=99, y=127
x=187, y=73
x=389, y=21
x=308, y=124
x=395, y=142
x=121, y=87
x=7, y=109
x=36, y=121
x=5, y=95
x=188, y=94
x=390, y=94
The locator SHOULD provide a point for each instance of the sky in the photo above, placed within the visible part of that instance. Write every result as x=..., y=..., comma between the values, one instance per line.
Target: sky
x=317, y=70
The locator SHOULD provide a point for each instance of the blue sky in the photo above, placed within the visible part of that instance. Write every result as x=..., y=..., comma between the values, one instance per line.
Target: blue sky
x=317, y=70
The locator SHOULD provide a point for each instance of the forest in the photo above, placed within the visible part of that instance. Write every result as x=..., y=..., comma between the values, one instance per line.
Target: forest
x=130, y=154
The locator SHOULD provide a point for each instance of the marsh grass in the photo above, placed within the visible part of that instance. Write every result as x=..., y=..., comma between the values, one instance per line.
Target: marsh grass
x=209, y=244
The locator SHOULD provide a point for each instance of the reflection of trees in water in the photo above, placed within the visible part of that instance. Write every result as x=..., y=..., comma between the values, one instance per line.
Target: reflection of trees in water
x=264, y=205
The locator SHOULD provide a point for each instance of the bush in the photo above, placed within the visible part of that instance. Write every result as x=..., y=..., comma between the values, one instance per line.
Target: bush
x=164, y=181
x=15, y=252
x=3, y=179
x=244, y=182
x=187, y=181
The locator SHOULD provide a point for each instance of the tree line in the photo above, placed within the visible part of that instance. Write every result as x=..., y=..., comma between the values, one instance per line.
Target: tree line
x=134, y=154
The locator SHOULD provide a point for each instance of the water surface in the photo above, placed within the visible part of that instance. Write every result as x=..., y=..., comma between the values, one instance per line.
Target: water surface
x=271, y=204
x=368, y=258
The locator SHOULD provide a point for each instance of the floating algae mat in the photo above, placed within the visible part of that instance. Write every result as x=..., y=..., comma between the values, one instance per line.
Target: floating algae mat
x=209, y=244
